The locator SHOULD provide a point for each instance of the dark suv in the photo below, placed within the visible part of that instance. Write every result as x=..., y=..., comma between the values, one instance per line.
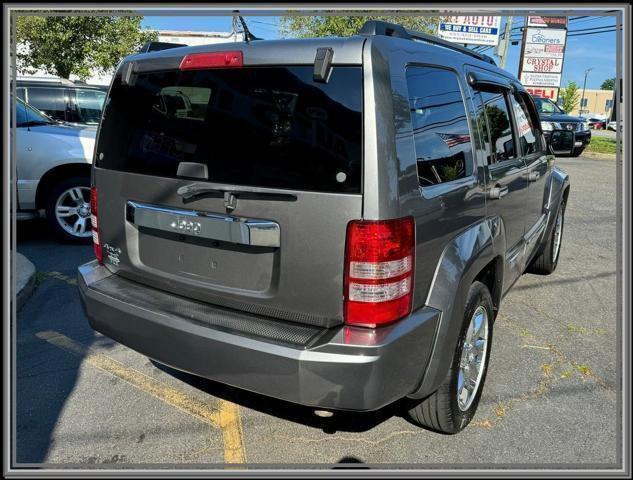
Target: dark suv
x=554, y=118
x=332, y=221
x=64, y=100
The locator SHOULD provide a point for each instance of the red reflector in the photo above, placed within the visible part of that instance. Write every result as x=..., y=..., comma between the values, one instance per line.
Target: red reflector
x=95, y=224
x=93, y=200
x=212, y=60
x=379, y=264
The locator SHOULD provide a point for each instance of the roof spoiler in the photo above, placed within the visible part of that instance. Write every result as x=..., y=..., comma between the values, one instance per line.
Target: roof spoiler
x=156, y=46
x=376, y=27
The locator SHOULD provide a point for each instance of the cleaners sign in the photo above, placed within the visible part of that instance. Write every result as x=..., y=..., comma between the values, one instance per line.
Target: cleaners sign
x=542, y=54
x=475, y=30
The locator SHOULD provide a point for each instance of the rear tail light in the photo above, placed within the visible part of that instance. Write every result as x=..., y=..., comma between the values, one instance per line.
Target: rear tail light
x=379, y=265
x=196, y=61
x=95, y=224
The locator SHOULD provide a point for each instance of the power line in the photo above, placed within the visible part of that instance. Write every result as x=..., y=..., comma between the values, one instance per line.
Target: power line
x=265, y=23
x=592, y=33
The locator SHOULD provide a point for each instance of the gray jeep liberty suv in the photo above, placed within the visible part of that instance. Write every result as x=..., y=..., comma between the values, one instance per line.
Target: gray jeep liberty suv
x=332, y=222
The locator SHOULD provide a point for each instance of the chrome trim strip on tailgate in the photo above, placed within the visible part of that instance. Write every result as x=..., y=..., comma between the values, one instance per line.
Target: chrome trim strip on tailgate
x=225, y=228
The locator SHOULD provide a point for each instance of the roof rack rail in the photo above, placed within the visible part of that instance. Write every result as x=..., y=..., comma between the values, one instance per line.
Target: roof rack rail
x=156, y=46
x=34, y=79
x=377, y=27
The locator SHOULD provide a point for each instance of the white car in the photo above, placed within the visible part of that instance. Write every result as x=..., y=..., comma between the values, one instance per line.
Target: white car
x=612, y=126
x=53, y=162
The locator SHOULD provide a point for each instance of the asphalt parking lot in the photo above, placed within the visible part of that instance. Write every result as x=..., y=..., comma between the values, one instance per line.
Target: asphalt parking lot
x=551, y=397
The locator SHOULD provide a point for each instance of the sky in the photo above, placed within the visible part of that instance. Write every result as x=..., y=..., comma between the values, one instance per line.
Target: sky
x=596, y=51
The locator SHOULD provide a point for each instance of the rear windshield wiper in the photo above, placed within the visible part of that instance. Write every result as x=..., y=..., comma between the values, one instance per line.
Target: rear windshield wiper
x=192, y=191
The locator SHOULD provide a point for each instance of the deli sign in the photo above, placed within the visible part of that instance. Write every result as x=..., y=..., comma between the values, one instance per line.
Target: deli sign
x=544, y=92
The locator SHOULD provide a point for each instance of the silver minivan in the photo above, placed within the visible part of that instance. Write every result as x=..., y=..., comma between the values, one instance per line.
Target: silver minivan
x=53, y=161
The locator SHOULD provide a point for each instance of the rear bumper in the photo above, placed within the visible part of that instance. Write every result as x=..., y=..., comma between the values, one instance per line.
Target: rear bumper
x=341, y=368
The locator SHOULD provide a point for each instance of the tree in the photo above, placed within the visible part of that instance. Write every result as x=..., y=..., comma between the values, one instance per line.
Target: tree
x=79, y=45
x=570, y=97
x=345, y=26
x=608, y=84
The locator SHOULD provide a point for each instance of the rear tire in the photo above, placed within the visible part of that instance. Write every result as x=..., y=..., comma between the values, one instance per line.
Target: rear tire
x=68, y=210
x=448, y=410
x=547, y=261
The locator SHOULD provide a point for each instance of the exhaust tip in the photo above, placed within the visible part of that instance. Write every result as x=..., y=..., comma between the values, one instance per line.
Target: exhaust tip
x=323, y=413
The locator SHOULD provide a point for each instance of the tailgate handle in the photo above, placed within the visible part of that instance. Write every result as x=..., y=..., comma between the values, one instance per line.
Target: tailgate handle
x=212, y=226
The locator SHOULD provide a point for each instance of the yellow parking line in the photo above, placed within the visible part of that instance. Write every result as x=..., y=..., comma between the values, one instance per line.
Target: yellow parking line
x=226, y=417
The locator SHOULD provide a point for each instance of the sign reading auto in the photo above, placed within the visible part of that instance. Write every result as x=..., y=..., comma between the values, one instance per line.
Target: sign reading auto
x=542, y=55
x=473, y=30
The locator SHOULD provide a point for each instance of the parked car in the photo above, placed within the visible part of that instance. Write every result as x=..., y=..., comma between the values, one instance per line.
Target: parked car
x=612, y=126
x=332, y=224
x=53, y=161
x=63, y=99
x=553, y=117
x=596, y=123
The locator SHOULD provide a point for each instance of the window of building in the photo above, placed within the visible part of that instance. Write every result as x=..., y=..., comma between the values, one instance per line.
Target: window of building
x=440, y=125
x=584, y=102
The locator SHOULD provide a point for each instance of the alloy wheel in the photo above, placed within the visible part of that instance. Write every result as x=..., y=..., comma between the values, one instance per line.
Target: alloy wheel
x=72, y=211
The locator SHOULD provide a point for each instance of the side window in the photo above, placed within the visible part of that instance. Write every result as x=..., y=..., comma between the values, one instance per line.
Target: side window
x=526, y=126
x=440, y=125
x=20, y=114
x=49, y=100
x=89, y=104
x=497, y=115
x=20, y=93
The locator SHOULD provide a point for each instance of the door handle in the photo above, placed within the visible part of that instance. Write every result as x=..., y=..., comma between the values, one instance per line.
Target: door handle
x=497, y=193
x=533, y=176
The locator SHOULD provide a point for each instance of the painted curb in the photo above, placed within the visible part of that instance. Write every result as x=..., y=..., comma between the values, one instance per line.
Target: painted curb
x=25, y=280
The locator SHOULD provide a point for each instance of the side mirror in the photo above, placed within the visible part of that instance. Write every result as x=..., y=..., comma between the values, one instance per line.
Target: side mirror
x=561, y=142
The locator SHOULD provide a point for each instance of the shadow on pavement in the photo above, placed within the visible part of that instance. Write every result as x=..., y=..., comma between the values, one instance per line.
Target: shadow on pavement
x=45, y=375
x=339, y=422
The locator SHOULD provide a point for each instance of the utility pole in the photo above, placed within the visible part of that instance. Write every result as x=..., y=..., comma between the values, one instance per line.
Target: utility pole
x=502, y=47
x=584, y=84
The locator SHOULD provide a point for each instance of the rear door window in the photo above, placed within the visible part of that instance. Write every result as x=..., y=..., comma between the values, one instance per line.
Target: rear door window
x=259, y=126
x=497, y=113
x=440, y=125
x=50, y=100
x=526, y=126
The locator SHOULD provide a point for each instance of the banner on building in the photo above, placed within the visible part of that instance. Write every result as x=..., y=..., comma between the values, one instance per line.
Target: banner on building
x=472, y=30
x=542, y=55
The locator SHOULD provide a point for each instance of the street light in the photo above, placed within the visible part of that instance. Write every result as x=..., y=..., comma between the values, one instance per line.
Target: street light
x=582, y=100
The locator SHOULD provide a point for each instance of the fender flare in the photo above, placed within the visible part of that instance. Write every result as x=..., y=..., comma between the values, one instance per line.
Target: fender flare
x=559, y=185
x=460, y=263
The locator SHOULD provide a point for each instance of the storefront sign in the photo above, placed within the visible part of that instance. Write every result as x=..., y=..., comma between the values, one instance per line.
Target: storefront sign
x=540, y=50
x=542, y=56
x=540, y=79
x=547, y=22
x=542, y=64
x=475, y=30
x=544, y=92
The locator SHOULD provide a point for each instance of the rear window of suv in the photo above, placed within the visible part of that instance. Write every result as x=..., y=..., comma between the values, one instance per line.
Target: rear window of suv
x=258, y=126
